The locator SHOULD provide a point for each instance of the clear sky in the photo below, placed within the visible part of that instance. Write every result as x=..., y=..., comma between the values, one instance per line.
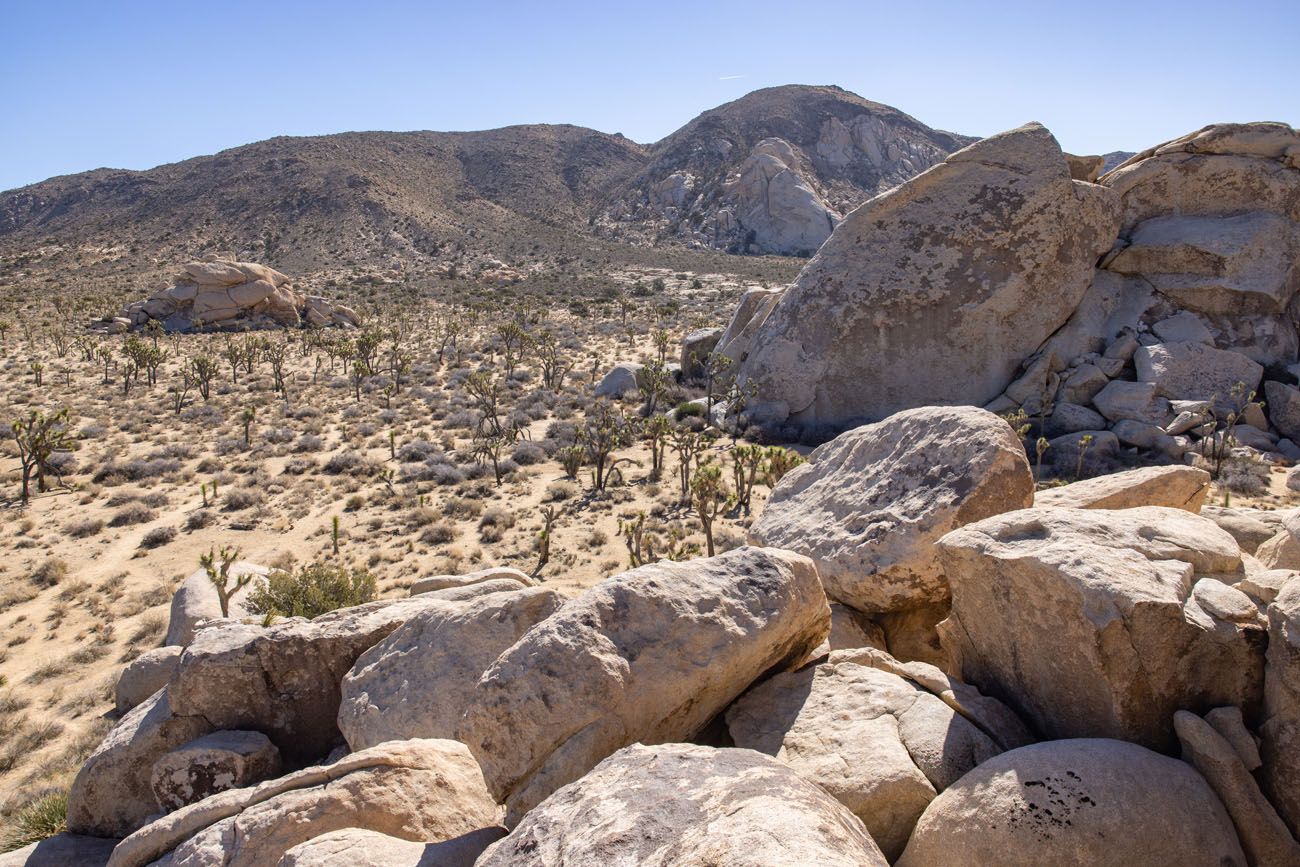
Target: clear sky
x=135, y=84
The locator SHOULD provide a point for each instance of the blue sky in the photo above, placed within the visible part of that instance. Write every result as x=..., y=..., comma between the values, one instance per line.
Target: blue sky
x=136, y=84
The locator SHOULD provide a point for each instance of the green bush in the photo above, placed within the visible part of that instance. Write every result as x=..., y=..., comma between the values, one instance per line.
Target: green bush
x=313, y=590
x=42, y=817
x=689, y=409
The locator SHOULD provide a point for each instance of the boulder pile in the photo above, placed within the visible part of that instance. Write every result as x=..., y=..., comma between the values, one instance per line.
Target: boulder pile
x=1144, y=310
x=226, y=294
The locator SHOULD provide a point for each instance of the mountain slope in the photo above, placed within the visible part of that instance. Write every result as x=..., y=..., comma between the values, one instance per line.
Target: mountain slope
x=773, y=171
x=315, y=202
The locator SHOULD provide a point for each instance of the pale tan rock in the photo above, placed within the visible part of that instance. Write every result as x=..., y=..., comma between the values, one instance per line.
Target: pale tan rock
x=869, y=505
x=196, y=600
x=419, y=790
x=442, y=582
x=1178, y=487
x=112, y=794
x=210, y=764
x=417, y=682
x=283, y=680
x=1230, y=725
x=774, y=202
x=651, y=655
x=1263, y=835
x=145, y=675
x=898, y=280
x=1099, y=623
x=1085, y=168
x=1194, y=371
x=61, y=850
x=1263, y=586
x=467, y=592
x=678, y=804
x=1248, y=526
x=880, y=744
x=697, y=347
x=356, y=847
x=850, y=629
x=1282, y=551
x=751, y=311
x=1075, y=802
x=1280, y=730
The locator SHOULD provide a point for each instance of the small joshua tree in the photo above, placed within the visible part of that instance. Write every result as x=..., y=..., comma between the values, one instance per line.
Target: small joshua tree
x=709, y=498
x=38, y=437
x=549, y=514
x=217, y=564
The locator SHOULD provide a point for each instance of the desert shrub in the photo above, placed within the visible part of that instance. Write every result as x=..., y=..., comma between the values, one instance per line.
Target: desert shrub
x=51, y=572
x=417, y=450
x=559, y=491
x=278, y=435
x=496, y=517
x=308, y=443
x=156, y=500
x=299, y=466
x=138, y=470
x=1244, y=476
x=132, y=513
x=229, y=446
x=343, y=462
x=438, y=534
x=311, y=591
x=199, y=519
x=240, y=499
x=690, y=410
x=157, y=537
x=527, y=454
x=82, y=529
x=41, y=817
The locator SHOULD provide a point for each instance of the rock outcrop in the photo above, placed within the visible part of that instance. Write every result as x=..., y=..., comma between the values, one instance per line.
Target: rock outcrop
x=284, y=680
x=196, y=600
x=1263, y=835
x=1194, y=304
x=1102, y=623
x=933, y=269
x=651, y=655
x=235, y=295
x=145, y=675
x=1280, y=731
x=677, y=804
x=211, y=764
x=356, y=847
x=879, y=742
x=1076, y=802
x=417, y=682
x=869, y=506
x=419, y=790
x=1175, y=487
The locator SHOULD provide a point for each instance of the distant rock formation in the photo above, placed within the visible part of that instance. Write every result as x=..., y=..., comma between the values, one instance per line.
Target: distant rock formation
x=772, y=172
x=233, y=295
x=1137, y=303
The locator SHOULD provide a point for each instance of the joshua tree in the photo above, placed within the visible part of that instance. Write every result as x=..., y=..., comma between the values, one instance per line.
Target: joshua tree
x=549, y=514
x=652, y=381
x=513, y=340
x=746, y=462
x=655, y=432
x=38, y=437
x=777, y=462
x=1084, y=442
x=484, y=389
x=555, y=364
x=204, y=370
x=1040, y=448
x=248, y=416
x=709, y=498
x=605, y=431
x=687, y=444
x=217, y=565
